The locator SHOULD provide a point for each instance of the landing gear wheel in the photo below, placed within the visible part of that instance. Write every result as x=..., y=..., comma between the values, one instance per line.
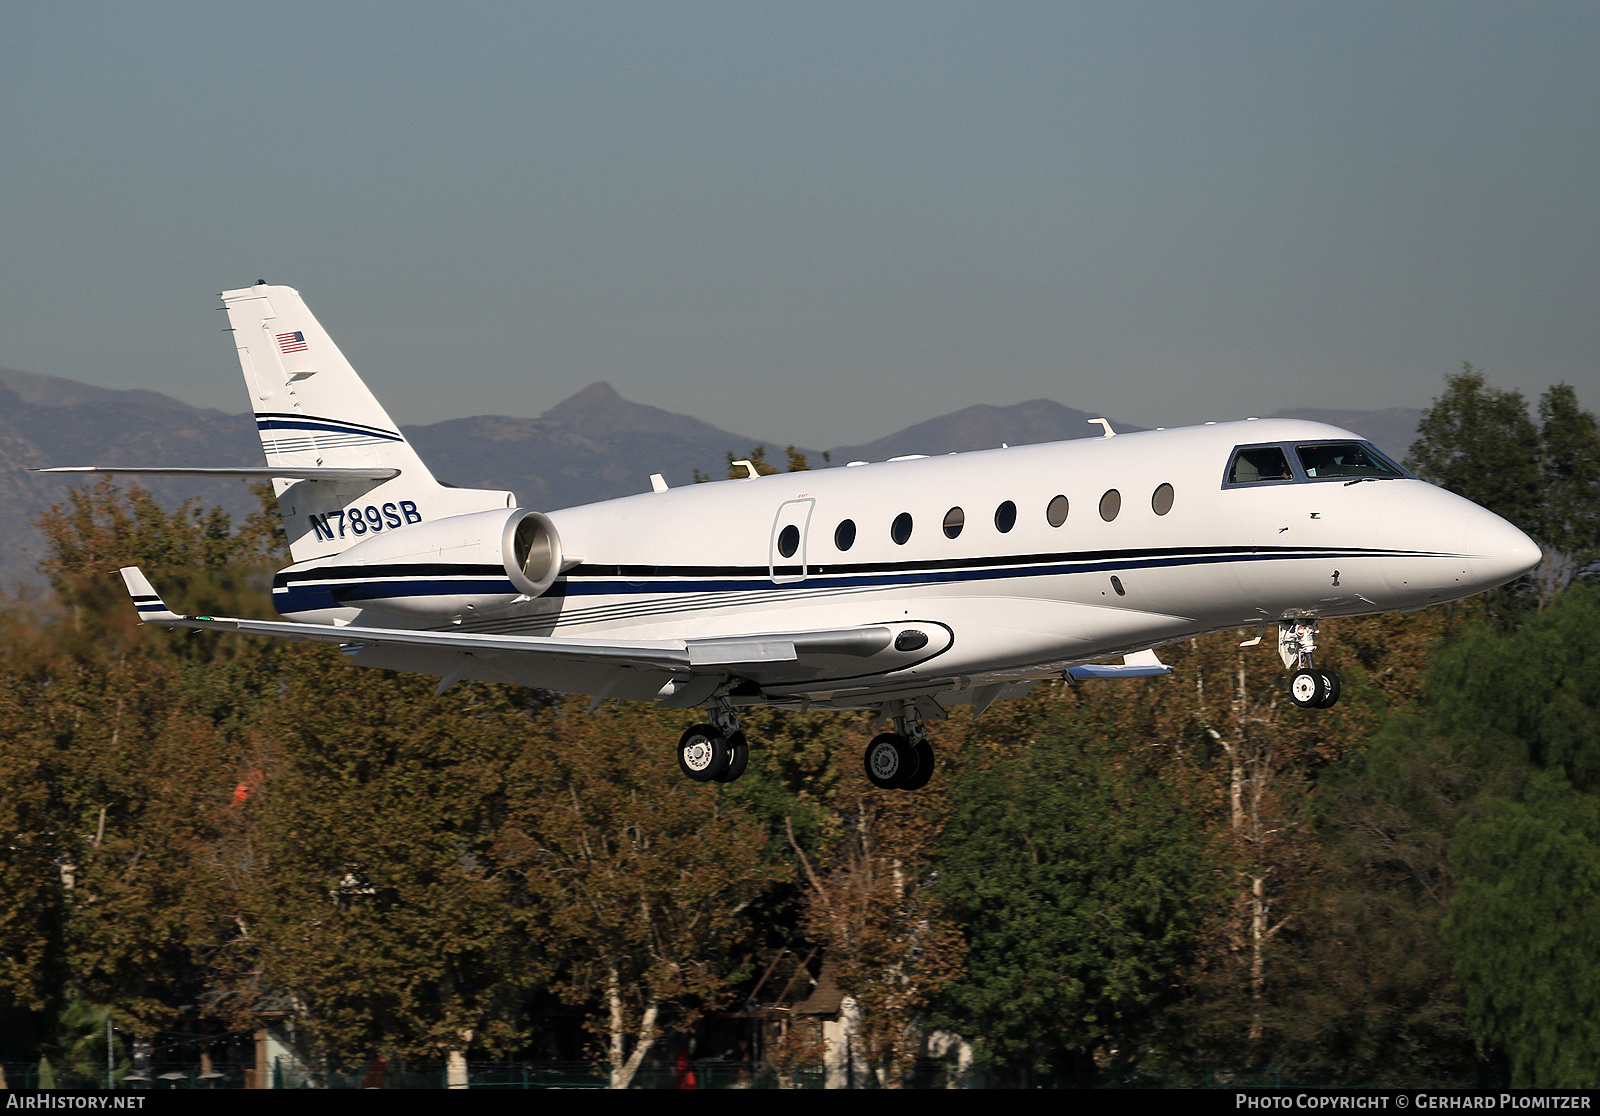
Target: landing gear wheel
x=702, y=753
x=890, y=759
x=1306, y=688
x=924, y=752
x=738, y=758
x=1329, y=691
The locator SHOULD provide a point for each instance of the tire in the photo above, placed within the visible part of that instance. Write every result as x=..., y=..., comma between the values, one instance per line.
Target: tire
x=924, y=752
x=1329, y=690
x=702, y=753
x=1306, y=688
x=888, y=760
x=738, y=758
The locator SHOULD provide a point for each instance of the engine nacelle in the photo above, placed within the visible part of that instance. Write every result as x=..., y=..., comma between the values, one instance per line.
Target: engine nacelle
x=462, y=565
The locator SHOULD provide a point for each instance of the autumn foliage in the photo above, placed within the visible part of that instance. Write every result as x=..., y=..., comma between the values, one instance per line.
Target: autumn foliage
x=1174, y=880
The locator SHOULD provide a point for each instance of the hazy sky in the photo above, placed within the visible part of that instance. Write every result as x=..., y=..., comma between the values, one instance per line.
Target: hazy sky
x=813, y=222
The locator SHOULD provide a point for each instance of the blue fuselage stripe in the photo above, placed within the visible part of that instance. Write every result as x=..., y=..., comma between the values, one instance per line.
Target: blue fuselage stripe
x=325, y=427
x=306, y=593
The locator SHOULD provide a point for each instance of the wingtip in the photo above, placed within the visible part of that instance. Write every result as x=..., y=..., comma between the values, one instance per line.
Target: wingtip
x=146, y=600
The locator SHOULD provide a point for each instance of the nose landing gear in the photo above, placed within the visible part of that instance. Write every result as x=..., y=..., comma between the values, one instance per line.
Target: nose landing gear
x=1309, y=686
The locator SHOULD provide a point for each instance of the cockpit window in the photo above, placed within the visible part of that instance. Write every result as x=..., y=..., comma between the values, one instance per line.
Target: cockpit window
x=1263, y=463
x=1344, y=459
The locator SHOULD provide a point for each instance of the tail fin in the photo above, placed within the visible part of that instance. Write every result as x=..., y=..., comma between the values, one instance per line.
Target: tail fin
x=312, y=410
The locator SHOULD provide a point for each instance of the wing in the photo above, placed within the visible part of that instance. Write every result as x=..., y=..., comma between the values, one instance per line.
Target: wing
x=691, y=656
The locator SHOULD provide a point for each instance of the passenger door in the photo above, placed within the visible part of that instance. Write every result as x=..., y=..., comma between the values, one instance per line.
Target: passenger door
x=786, y=554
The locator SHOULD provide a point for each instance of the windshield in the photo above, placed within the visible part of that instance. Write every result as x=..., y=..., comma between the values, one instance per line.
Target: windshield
x=1264, y=463
x=1344, y=459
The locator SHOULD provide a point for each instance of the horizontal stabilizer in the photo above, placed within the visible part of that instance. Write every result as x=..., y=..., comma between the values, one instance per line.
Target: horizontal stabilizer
x=1141, y=664
x=257, y=472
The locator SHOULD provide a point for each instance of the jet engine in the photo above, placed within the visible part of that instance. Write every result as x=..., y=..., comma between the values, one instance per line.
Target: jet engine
x=463, y=565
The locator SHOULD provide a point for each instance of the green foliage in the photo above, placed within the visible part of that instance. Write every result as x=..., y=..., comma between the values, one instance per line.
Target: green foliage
x=1371, y=996
x=77, y=1052
x=1080, y=878
x=1467, y=854
x=1569, y=467
x=633, y=877
x=1537, y=688
x=372, y=893
x=1524, y=926
x=1520, y=710
x=102, y=528
x=1478, y=441
x=1101, y=878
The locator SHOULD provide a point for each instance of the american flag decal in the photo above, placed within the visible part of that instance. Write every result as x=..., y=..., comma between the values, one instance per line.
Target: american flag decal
x=292, y=342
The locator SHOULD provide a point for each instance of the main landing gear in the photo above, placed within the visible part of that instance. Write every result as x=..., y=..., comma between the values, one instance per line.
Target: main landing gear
x=1309, y=686
x=715, y=752
x=902, y=759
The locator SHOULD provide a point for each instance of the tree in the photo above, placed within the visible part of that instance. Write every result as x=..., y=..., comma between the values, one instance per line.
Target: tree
x=1569, y=466
x=363, y=881
x=115, y=762
x=1536, y=689
x=1371, y=997
x=875, y=907
x=632, y=877
x=1477, y=815
x=1524, y=926
x=1073, y=864
x=1479, y=442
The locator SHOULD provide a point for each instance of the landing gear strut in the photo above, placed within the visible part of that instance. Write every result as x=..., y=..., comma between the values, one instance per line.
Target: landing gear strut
x=902, y=759
x=1309, y=686
x=716, y=752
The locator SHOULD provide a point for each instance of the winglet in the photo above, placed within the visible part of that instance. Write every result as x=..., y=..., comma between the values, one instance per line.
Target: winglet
x=145, y=597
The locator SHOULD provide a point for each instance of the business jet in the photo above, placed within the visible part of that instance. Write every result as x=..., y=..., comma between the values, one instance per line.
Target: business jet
x=904, y=587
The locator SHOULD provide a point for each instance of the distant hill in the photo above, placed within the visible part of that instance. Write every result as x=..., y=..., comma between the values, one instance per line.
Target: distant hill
x=595, y=445
x=47, y=420
x=983, y=427
x=1392, y=431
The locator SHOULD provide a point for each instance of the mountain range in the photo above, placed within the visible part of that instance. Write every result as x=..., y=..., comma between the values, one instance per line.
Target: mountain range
x=595, y=445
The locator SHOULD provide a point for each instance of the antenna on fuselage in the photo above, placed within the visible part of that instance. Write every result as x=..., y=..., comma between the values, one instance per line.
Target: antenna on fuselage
x=1106, y=426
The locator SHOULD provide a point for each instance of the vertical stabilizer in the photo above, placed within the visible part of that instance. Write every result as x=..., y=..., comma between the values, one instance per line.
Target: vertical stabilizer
x=312, y=410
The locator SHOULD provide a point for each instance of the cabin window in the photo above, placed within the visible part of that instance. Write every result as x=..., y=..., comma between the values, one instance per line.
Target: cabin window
x=1161, y=499
x=1110, y=504
x=1056, y=513
x=954, y=520
x=900, y=531
x=844, y=535
x=1344, y=459
x=789, y=541
x=1262, y=463
x=1005, y=517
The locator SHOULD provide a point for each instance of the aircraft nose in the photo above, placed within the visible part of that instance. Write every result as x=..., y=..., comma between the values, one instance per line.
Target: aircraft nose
x=1500, y=552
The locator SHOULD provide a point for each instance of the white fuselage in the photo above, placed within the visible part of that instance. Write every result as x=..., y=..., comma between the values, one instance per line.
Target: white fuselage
x=999, y=605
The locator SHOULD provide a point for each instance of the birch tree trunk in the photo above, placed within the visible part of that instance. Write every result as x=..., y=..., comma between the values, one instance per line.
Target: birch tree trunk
x=623, y=1068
